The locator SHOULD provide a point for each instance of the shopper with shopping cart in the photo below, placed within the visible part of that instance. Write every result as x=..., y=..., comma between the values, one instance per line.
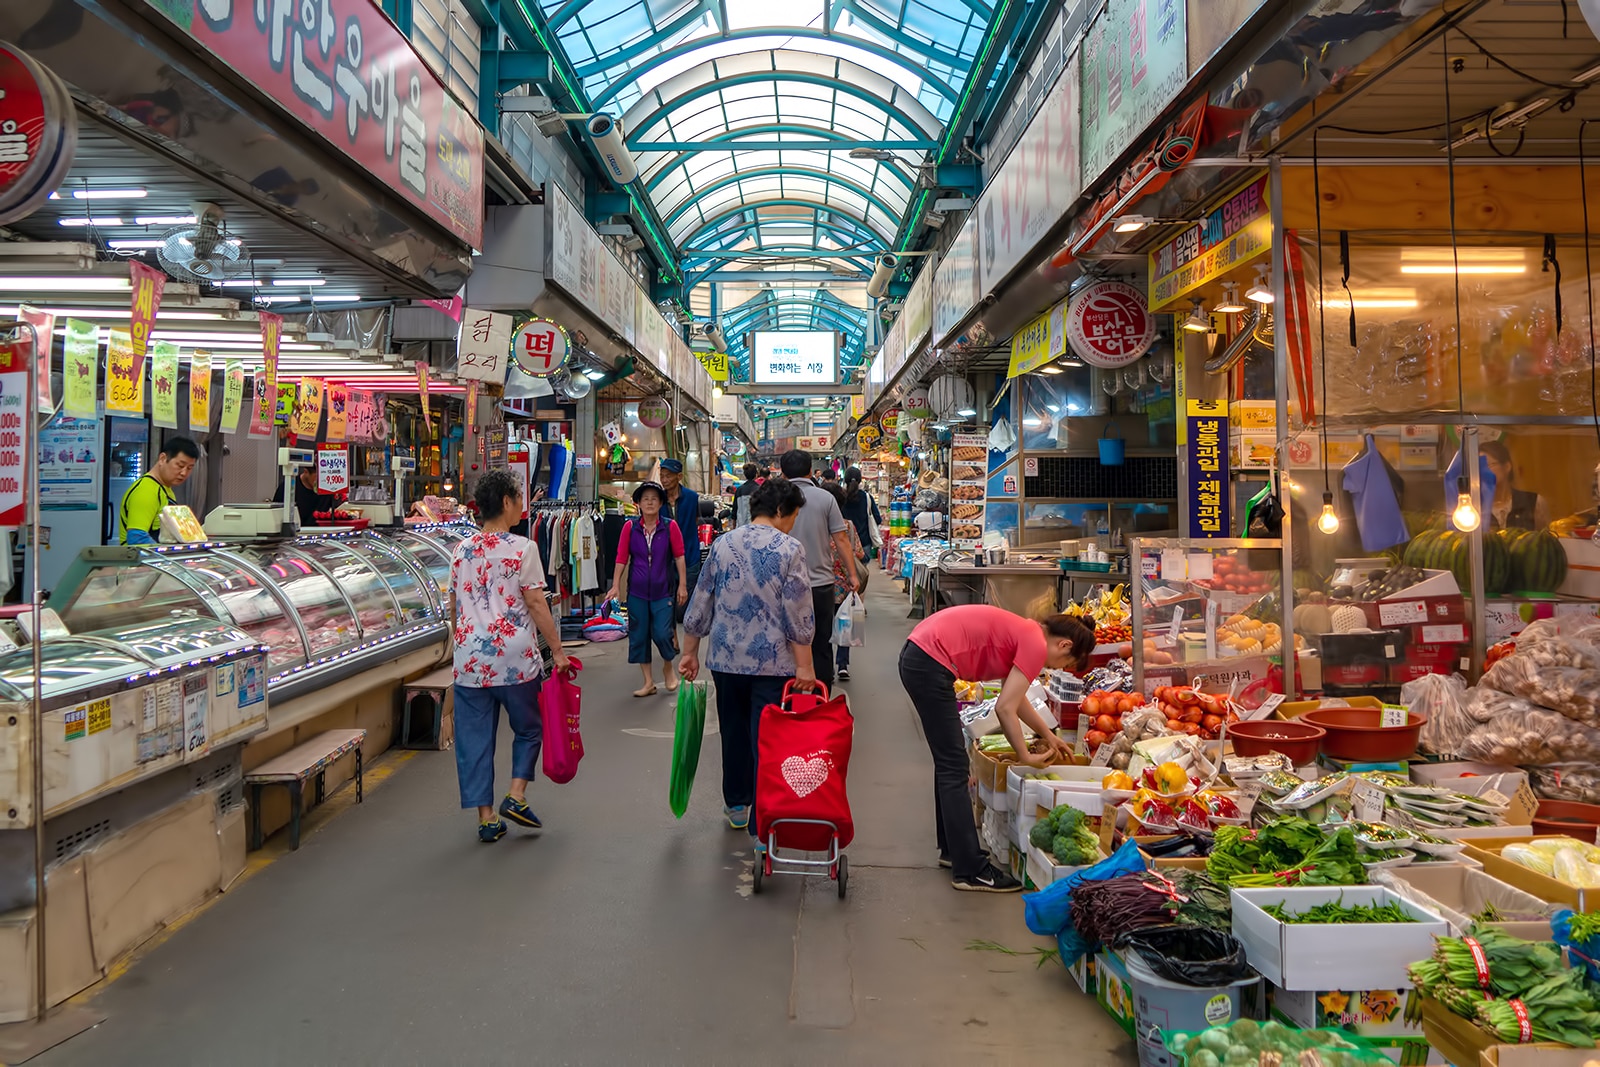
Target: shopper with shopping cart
x=754, y=602
x=981, y=643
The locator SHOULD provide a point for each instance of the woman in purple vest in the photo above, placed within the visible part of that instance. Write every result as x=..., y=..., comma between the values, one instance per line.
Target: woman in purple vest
x=646, y=553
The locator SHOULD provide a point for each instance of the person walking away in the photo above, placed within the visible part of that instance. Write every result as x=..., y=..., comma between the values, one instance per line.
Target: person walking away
x=754, y=603
x=741, y=495
x=857, y=504
x=841, y=590
x=139, y=521
x=980, y=643
x=683, y=508
x=648, y=553
x=497, y=600
x=820, y=529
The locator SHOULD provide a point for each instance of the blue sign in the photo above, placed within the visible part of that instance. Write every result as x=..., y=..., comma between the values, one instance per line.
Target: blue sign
x=1206, y=491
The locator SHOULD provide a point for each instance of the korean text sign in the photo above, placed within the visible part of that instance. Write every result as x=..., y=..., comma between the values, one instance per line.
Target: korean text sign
x=1206, y=486
x=347, y=72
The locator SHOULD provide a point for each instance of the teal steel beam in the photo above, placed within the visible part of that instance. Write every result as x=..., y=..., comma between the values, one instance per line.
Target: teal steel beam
x=712, y=223
x=779, y=253
x=737, y=177
x=1036, y=22
x=603, y=64
x=519, y=68
x=623, y=57
x=926, y=49
x=965, y=177
x=715, y=275
x=727, y=144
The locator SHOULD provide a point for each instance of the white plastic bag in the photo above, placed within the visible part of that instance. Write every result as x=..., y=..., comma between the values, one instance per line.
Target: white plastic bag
x=850, y=625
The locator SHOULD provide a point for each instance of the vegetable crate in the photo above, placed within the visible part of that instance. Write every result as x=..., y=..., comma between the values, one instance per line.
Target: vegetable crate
x=1113, y=989
x=1377, y=1016
x=1316, y=956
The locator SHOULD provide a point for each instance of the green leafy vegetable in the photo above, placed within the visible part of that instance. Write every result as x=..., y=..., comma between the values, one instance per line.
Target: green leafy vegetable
x=1336, y=911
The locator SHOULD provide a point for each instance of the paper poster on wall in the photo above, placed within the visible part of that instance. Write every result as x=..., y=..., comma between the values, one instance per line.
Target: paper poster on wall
x=69, y=464
x=197, y=714
x=969, y=470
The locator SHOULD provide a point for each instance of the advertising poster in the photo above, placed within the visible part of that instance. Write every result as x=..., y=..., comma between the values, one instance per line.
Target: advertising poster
x=200, y=392
x=148, y=284
x=969, y=470
x=79, y=362
x=266, y=379
x=69, y=464
x=232, y=396
x=338, y=412
x=1133, y=63
x=124, y=376
x=306, y=418
x=44, y=326
x=15, y=435
x=164, y=384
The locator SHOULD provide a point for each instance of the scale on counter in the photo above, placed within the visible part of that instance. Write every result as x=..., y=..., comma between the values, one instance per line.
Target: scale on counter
x=245, y=520
x=385, y=513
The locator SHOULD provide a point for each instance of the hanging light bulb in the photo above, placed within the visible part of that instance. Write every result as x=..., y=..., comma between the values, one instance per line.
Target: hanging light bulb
x=1328, y=521
x=1465, y=516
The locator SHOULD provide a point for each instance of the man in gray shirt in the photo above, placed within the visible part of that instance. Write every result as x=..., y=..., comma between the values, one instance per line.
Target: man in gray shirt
x=820, y=528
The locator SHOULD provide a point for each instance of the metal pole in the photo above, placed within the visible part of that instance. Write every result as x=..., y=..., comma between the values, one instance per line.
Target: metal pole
x=1479, y=592
x=1280, y=381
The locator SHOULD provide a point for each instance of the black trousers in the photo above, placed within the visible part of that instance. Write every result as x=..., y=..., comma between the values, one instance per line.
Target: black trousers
x=825, y=607
x=740, y=701
x=932, y=689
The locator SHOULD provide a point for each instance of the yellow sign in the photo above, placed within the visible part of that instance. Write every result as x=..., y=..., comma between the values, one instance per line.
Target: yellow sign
x=100, y=716
x=124, y=376
x=307, y=416
x=164, y=384
x=715, y=363
x=200, y=392
x=1235, y=233
x=1039, y=342
x=867, y=438
x=858, y=406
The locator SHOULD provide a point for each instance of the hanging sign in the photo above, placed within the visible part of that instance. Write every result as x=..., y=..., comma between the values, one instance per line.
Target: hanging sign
x=362, y=417
x=483, y=346
x=232, y=396
x=858, y=405
x=15, y=433
x=1233, y=234
x=1108, y=325
x=715, y=363
x=164, y=384
x=1034, y=345
x=1205, y=485
x=339, y=411
x=541, y=347
x=148, y=285
x=867, y=438
x=916, y=404
x=306, y=418
x=890, y=422
x=1134, y=61
x=124, y=376
x=654, y=412
x=266, y=379
x=200, y=392
x=44, y=330
x=38, y=133
x=422, y=392
x=80, y=358
x=451, y=308
x=333, y=468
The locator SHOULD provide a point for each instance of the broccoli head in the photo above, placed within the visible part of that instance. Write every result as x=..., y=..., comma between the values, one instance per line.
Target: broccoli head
x=1067, y=819
x=1075, y=849
x=1042, y=834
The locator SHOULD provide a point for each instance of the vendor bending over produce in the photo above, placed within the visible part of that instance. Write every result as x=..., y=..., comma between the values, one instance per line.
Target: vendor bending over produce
x=978, y=643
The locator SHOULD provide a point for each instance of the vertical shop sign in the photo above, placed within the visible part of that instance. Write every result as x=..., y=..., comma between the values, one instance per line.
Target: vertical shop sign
x=347, y=72
x=232, y=396
x=38, y=132
x=422, y=393
x=1206, y=485
x=148, y=285
x=715, y=363
x=1133, y=63
x=483, y=346
x=955, y=282
x=969, y=453
x=124, y=376
x=306, y=418
x=15, y=432
x=266, y=379
x=80, y=358
x=338, y=412
x=333, y=468
x=44, y=329
x=200, y=392
x=164, y=384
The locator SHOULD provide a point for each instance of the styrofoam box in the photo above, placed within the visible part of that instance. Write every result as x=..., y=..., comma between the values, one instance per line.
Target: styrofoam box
x=1341, y=956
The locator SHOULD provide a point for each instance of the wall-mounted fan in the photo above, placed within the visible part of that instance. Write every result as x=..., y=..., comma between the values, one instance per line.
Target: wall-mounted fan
x=203, y=251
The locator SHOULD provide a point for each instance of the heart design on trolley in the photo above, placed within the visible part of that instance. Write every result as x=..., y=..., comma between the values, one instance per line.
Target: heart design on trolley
x=805, y=776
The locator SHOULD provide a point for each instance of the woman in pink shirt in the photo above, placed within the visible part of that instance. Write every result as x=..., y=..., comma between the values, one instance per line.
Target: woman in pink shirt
x=979, y=643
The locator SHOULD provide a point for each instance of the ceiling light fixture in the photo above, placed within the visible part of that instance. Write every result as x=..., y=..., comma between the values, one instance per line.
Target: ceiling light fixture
x=1261, y=291
x=1328, y=521
x=89, y=220
x=104, y=194
x=1198, y=321
x=25, y=283
x=163, y=220
x=295, y=283
x=1051, y=369
x=143, y=242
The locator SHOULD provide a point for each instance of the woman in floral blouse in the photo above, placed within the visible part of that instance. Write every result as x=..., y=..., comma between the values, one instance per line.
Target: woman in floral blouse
x=496, y=600
x=754, y=602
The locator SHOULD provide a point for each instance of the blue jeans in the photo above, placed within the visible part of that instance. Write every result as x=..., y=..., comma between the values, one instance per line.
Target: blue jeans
x=650, y=620
x=841, y=656
x=477, y=723
x=740, y=699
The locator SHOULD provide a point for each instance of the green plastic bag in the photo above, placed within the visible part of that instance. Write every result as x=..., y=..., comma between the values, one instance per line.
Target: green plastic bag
x=687, y=735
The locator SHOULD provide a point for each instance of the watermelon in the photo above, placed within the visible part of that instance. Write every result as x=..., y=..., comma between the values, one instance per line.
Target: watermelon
x=1496, y=565
x=1538, y=561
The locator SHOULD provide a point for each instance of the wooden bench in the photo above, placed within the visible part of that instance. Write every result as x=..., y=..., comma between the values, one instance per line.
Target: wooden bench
x=307, y=760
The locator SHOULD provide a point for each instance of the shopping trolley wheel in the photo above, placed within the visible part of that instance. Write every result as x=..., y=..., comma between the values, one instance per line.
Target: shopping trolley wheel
x=844, y=875
x=761, y=861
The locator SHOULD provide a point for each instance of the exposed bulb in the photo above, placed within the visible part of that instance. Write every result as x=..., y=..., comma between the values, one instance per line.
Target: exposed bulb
x=1328, y=521
x=1465, y=516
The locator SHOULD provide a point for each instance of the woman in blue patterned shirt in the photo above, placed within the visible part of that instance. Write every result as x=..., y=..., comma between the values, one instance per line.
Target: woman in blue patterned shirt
x=754, y=601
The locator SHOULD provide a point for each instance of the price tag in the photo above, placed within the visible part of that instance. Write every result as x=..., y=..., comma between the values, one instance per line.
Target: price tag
x=1392, y=715
x=1108, y=830
x=1177, y=623
x=1495, y=797
x=1402, y=612
x=1174, y=564
x=1150, y=566
x=1081, y=746
x=1249, y=792
x=1366, y=802
x=1102, y=756
x=1268, y=706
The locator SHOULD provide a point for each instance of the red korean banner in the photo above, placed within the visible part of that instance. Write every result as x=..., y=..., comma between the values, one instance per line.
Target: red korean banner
x=14, y=433
x=422, y=390
x=266, y=379
x=148, y=285
x=338, y=400
x=44, y=328
x=347, y=72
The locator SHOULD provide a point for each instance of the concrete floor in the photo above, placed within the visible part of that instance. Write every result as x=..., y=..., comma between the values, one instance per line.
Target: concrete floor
x=619, y=935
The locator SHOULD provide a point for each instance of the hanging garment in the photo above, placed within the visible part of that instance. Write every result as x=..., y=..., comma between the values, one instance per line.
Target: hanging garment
x=588, y=554
x=560, y=460
x=1370, y=482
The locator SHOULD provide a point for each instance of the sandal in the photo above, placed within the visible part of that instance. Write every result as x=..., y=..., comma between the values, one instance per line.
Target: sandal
x=672, y=686
x=650, y=692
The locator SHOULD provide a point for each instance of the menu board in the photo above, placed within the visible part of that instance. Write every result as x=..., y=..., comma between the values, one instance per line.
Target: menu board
x=969, y=479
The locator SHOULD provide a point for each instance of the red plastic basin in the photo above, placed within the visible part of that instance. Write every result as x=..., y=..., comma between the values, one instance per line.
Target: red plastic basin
x=1567, y=818
x=1354, y=734
x=1297, y=740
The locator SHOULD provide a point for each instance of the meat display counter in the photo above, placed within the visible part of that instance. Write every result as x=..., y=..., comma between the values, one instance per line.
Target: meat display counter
x=325, y=606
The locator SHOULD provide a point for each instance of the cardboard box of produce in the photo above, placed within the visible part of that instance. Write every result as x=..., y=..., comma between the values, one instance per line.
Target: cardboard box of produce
x=1436, y=600
x=1457, y=894
x=1459, y=1041
x=1487, y=852
x=1344, y=956
x=1476, y=779
x=1540, y=1054
x=1371, y=648
x=1370, y=1014
x=1113, y=989
x=1083, y=974
x=1253, y=415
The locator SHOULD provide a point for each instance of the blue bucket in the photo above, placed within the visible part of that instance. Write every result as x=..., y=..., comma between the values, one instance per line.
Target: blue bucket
x=1112, y=449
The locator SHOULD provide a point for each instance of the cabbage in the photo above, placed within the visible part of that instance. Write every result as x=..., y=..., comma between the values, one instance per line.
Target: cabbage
x=1532, y=858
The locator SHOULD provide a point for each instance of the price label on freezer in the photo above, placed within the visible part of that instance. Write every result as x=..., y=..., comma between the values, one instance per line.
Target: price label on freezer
x=1392, y=715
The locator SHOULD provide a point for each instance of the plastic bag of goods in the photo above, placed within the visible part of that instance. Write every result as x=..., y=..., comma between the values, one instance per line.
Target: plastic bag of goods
x=1558, y=670
x=1512, y=731
x=1247, y=1043
x=1441, y=698
x=1566, y=781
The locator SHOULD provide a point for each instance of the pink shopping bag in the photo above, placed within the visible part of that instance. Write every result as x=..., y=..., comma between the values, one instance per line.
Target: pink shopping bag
x=559, y=703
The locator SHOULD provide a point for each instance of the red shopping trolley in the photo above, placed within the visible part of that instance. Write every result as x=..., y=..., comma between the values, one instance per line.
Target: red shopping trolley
x=801, y=802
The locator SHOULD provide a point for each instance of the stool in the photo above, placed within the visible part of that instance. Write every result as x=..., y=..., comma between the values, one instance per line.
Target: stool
x=427, y=711
x=310, y=759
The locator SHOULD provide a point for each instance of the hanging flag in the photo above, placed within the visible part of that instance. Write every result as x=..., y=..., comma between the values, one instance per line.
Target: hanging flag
x=471, y=406
x=80, y=359
x=148, y=285
x=363, y=416
x=164, y=384
x=44, y=328
x=266, y=379
x=124, y=376
x=422, y=389
x=338, y=412
x=307, y=414
x=15, y=433
x=200, y=392
x=232, y=396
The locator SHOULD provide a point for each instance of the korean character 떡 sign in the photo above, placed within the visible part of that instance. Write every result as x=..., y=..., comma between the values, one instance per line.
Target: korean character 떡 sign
x=1206, y=486
x=540, y=347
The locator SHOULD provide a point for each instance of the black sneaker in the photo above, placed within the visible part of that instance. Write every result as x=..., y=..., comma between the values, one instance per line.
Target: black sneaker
x=989, y=880
x=844, y=674
x=944, y=860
